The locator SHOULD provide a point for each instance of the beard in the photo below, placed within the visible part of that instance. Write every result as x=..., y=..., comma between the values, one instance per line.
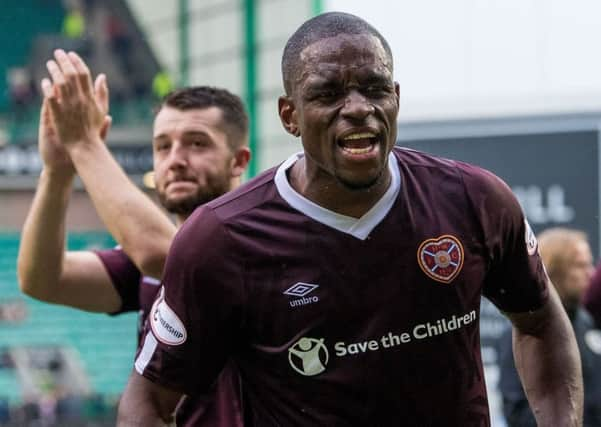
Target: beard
x=216, y=186
x=360, y=186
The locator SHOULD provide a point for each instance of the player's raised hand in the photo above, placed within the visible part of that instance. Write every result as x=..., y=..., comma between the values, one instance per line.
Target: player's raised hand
x=79, y=107
x=53, y=154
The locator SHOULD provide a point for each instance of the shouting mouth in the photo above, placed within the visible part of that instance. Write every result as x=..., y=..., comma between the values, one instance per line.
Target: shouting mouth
x=359, y=145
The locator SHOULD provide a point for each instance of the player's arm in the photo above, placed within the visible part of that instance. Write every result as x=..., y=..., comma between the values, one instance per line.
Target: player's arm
x=145, y=403
x=545, y=350
x=515, y=404
x=548, y=362
x=193, y=326
x=45, y=270
x=137, y=224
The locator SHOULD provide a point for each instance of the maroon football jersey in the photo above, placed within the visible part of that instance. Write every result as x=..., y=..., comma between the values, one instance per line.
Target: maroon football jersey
x=137, y=292
x=220, y=406
x=334, y=320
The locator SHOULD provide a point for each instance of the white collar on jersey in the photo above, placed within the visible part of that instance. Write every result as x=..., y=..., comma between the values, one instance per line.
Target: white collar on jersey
x=357, y=227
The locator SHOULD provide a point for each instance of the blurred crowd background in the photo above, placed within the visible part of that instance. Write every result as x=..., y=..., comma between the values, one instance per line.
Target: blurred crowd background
x=513, y=86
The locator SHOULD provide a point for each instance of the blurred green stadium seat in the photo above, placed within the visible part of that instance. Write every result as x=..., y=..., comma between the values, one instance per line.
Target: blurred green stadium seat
x=9, y=386
x=105, y=345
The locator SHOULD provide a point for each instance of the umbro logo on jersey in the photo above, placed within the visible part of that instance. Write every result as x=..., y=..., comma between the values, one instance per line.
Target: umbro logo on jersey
x=301, y=290
x=441, y=258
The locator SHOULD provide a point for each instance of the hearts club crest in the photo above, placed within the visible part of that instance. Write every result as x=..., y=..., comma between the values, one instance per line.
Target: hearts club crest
x=441, y=258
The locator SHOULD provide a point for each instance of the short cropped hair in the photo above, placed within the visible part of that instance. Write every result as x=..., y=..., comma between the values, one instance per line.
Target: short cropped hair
x=234, y=116
x=321, y=27
x=557, y=246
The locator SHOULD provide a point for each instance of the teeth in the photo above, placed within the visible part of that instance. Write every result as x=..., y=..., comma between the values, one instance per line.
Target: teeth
x=361, y=135
x=357, y=150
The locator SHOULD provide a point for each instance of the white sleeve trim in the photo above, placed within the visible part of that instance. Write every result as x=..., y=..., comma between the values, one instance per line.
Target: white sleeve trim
x=150, y=345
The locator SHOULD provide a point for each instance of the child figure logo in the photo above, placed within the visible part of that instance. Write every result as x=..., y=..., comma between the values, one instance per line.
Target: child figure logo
x=309, y=356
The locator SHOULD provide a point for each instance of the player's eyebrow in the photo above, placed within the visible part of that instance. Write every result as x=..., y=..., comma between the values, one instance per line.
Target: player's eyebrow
x=321, y=84
x=187, y=133
x=200, y=133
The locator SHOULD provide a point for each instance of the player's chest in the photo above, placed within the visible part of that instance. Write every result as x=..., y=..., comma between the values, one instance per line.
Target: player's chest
x=399, y=272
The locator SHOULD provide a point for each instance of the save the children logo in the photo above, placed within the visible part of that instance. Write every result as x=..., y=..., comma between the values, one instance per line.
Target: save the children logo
x=441, y=258
x=309, y=356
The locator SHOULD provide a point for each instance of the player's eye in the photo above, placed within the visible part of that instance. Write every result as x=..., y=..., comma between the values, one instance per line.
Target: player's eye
x=162, y=146
x=327, y=94
x=200, y=143
x=375, y=90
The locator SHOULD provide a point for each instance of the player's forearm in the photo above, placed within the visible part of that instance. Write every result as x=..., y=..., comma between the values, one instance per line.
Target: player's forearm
x=548, y=361
x=42, y=243
x=144, y=403
x=138, y=225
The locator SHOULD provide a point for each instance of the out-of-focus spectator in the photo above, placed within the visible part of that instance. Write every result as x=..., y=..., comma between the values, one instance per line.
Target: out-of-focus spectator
x=20, y=87
x=74, y=30
x=161, y=84
x=567, y=257
x=13, y=311
x=74, y=24
x=120, y=42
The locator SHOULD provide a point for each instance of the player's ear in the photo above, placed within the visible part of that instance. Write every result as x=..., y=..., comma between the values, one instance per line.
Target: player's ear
x=288, y=115
x=240, y=161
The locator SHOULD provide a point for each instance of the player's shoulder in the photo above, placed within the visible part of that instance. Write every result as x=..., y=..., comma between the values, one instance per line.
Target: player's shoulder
x=249, y=195
x=210, y=221
x=412, y=158
x=476, y=179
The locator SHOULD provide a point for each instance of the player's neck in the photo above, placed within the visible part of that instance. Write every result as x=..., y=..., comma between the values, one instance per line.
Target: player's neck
x=179, y=219
x=330, y=194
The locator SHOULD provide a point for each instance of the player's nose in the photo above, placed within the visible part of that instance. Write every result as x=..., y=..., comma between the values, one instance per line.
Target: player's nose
x=178, y=157
x=357, y=106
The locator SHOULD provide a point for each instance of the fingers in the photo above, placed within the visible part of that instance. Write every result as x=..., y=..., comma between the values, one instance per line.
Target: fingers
x=45, y=111
x=63, y=74
x=82, y=72
x=58, y=79
x=78, y=105
x=47, y=89
x=50, y=98
x=106, y=126
x=102, y=92
x=69, y=74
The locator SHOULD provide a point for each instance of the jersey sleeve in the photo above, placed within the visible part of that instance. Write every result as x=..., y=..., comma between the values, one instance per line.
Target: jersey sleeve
x=516, y=280
x=125, y=277
x=194, y=324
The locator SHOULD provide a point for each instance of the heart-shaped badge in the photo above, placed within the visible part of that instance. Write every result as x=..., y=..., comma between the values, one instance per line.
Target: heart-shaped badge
x=441, y=258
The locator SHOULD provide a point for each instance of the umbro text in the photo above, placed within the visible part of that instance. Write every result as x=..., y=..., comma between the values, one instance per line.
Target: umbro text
x=303, y=301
